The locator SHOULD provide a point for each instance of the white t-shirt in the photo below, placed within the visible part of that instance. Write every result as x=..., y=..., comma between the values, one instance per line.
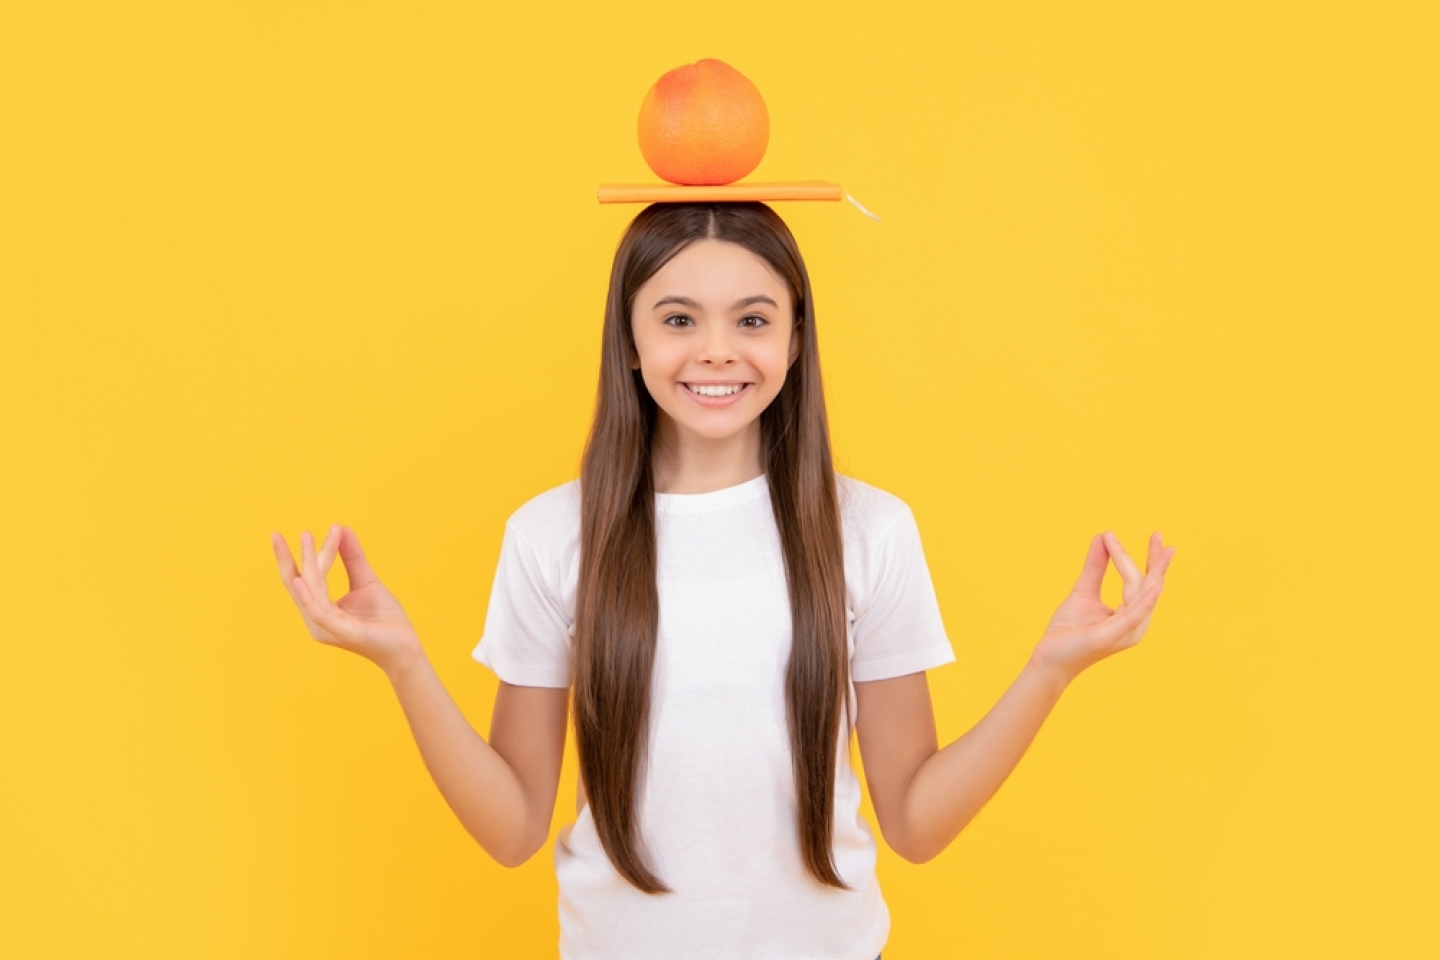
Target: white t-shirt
x=717, y=814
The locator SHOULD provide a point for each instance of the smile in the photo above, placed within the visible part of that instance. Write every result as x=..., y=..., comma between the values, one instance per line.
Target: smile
x=716, y=394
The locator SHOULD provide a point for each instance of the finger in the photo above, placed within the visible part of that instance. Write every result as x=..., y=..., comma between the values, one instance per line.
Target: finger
x=1159, y=556
x=356, y=566
x=326, y=557
x=1144, y=624
x=326, y=621
x=289, y=576
x=1130, y=615
x=1166, y=555
x=284, y=558
x=1129, y=573
x=288, y=571
x=1093, y=573
x=310, y=569
x=1158, y=563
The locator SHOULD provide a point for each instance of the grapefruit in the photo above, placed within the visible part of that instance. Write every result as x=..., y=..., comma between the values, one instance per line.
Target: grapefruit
x=703, y=124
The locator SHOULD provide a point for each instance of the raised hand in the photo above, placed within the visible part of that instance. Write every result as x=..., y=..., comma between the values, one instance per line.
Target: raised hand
x=368, y=620
x=1084, y=630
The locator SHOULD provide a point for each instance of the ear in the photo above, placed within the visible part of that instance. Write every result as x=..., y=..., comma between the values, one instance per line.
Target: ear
x=794, y=347
x=627, y=342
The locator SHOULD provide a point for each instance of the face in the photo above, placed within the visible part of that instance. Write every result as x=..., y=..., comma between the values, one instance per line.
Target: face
x=714, y=330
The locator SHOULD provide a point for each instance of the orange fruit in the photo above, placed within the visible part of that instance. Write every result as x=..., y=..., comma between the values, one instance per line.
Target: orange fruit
x=703, y=124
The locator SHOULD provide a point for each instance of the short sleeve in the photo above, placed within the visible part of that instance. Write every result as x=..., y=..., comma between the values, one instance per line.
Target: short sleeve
x=527, y=632
x=897, y=627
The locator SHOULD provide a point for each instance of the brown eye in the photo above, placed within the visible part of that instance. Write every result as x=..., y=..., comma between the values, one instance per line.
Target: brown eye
x=754, y=316
x=676, y=316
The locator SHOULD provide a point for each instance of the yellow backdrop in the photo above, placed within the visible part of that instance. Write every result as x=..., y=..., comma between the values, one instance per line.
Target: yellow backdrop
x=272, y=266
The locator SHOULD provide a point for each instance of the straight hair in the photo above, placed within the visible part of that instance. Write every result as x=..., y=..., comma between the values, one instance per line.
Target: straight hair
x=617, y=599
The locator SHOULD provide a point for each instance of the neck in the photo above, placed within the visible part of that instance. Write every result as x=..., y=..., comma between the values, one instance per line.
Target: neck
x=685, y=463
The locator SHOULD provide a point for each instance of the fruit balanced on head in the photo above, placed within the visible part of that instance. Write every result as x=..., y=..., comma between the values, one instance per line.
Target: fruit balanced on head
x=703, y=124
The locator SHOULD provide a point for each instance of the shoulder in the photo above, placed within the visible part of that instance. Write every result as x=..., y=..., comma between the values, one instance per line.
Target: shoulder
x=867, y=512
x=880, y=534
x=549, y=521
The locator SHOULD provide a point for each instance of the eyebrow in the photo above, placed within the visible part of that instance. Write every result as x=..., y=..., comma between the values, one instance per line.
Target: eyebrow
x=687, y=302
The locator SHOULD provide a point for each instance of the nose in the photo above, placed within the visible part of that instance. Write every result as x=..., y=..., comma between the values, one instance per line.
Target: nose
x=715, y=345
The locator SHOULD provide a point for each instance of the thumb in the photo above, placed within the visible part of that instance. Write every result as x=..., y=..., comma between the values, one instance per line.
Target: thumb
x=357, y=568
x=1093, y=573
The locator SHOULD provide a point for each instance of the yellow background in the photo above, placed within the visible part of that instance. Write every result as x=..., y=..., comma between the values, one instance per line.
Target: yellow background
x=270, y=266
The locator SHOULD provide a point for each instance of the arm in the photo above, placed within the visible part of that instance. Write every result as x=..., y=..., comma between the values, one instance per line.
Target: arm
x=924, y=796
x=504, y=791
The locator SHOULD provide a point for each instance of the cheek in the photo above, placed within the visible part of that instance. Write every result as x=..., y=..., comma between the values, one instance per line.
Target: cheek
x=777, y=360
x=659, y=366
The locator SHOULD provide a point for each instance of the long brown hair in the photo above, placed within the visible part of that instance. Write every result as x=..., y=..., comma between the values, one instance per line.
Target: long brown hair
x=617, y=602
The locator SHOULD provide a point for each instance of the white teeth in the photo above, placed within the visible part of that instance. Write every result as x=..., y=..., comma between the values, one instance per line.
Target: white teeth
x=714, y=391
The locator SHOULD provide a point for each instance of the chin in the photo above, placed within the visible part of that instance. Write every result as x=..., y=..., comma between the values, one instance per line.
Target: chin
x=713, y=433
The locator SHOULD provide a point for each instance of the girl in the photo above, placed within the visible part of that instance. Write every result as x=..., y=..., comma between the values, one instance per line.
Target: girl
x=722, y=611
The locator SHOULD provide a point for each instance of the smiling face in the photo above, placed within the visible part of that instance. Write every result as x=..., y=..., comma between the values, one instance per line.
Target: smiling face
x=714, y=332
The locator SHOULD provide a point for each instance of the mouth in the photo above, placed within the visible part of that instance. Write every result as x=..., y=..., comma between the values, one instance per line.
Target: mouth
x=716, y=394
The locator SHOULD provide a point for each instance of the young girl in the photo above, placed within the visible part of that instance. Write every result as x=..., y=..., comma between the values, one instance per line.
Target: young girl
x=722, y=611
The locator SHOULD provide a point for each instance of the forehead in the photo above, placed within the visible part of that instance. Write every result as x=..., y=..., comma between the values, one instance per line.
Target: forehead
x=714, y=272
